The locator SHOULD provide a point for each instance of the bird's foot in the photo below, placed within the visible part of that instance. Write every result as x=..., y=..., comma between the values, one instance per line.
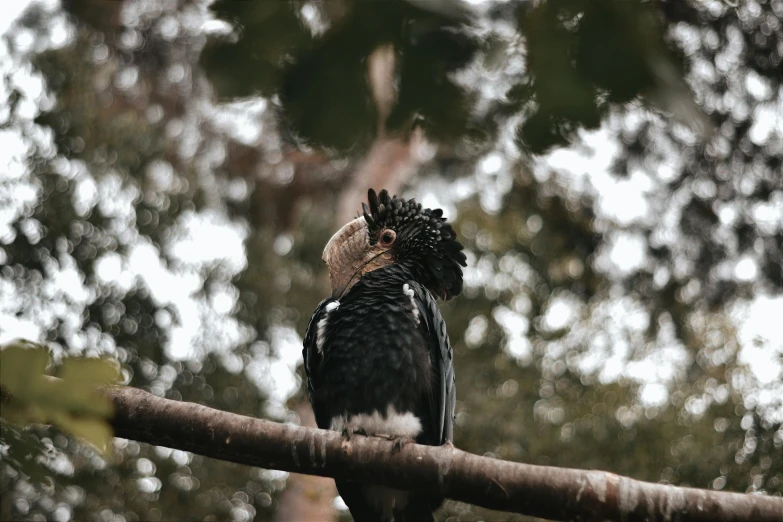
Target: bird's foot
x=350, y=432
x=449, y=444
x=400, y=442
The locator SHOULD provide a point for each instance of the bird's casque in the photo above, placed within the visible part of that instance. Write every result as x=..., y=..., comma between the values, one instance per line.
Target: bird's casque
x=376, y=353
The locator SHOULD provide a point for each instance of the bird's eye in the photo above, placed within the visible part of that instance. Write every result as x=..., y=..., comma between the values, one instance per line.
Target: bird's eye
x=388, y=237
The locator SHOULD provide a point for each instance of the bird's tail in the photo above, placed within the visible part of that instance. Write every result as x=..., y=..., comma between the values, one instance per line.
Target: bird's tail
x=366, y=505
x=419, y=509
x=354, y=497
x=412, y=513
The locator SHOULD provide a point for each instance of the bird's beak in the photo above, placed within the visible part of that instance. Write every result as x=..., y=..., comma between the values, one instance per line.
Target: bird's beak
x=345, y=255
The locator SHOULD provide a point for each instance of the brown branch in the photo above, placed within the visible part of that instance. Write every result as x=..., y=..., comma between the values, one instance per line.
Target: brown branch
x=543, y=491
x=306, y=497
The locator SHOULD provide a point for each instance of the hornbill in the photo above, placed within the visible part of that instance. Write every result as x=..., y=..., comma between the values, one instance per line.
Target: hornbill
x=376, y=353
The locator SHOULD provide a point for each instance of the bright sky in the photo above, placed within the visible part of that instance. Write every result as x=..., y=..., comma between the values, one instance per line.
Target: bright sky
x=11, y=11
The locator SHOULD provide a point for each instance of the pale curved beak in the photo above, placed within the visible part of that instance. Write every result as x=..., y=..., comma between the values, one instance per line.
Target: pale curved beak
x=345, y=255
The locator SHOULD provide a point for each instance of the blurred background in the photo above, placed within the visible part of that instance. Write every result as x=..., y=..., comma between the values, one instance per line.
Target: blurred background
x=170, y=171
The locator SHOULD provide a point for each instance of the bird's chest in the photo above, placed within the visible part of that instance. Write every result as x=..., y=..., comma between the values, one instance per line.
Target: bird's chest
x=374, y=355
x=371, y=326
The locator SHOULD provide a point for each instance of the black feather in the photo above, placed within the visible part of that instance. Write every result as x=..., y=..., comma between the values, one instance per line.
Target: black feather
x=422, y=235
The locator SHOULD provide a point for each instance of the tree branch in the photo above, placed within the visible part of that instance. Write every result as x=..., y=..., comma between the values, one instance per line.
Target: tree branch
x=542, y=491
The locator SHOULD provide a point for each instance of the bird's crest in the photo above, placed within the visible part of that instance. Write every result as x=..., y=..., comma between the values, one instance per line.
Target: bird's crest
x=426, y=242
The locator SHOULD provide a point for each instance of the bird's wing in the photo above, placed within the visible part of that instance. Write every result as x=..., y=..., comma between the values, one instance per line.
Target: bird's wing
x=312, y=358
x=444, y=394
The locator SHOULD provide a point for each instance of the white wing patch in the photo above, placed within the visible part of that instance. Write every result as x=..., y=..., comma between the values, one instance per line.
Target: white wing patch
x=407, y=290
x=393, y=423
x=320, y=336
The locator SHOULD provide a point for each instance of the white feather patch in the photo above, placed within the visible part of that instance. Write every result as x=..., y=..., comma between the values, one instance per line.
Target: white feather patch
x=320, y=336
x=393, y=423
x=407, y=290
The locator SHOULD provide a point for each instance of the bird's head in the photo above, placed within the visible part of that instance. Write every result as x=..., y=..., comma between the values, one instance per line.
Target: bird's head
x=397, y=231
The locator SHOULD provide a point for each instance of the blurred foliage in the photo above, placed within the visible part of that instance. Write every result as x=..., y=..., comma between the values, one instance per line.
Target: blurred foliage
x=175, y=168
x=68, y=403
x=23, y=452
x=574, y=72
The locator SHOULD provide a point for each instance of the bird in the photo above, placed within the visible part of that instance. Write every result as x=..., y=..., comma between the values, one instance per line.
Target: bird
x=376, y=352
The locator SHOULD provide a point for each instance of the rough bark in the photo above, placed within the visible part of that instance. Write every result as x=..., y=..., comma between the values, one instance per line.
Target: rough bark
x=542, y=491
x=306, y=497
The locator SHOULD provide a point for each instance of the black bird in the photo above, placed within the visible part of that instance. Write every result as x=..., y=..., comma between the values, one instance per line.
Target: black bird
x=376, y=353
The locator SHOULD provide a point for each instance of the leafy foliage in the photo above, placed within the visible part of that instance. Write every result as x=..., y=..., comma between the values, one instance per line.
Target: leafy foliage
x=69, y=402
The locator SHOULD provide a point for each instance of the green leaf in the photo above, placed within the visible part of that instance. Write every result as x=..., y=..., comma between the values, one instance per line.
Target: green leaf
x=89, y=372
x=80, y=379
x=22, y=367
x=96, y=432
x=71, y=402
